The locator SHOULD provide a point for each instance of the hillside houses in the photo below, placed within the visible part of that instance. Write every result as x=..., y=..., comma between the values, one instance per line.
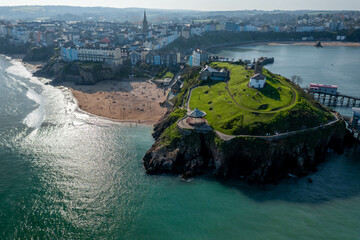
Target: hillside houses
x=116, y=42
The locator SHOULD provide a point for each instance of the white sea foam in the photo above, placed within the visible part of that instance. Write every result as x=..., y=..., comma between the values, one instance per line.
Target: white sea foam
x=36, y=117
x=54, y=105
x=18, y=69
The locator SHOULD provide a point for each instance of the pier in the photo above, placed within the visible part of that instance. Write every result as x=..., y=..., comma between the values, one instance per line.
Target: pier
x=334, y=100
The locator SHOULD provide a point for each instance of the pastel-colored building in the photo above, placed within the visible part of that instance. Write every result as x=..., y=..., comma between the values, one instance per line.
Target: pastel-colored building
x=197, y=58
x=69, y=53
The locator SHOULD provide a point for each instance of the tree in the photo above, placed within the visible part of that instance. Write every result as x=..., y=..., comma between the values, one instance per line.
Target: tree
x=297, y=79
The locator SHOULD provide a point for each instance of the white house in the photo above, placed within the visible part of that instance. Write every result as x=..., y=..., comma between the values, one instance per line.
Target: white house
x=258, y=81
x=196, y=58
x=100, y=55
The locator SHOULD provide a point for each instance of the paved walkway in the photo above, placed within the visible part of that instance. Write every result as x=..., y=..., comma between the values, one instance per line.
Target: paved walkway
x=226, y=137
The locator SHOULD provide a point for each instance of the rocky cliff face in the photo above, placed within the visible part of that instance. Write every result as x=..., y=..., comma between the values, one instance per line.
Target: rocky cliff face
x=38, y=54
x=74, y=72
x=257, y=160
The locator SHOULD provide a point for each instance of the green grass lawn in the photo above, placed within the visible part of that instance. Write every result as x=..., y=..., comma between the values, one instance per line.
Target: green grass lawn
x=164, y=73
x=168, y=75
x=262, y=111
x=275, y=95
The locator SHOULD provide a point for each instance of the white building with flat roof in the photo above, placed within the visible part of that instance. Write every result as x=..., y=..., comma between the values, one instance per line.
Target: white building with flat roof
x=108, y=55
x=257, y=81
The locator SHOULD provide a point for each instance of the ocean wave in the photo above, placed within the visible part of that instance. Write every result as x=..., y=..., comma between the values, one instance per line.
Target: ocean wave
x=36, y=117
x=66, y=104
x=18, y=69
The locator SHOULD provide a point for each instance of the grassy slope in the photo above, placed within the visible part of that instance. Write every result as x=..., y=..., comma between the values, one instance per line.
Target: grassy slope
x=227, y=117
x=172, y=134
x=268, y=98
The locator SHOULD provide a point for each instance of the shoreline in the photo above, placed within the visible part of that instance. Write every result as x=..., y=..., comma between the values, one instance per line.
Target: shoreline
x=130, y=101
x=274, y=43
x=311, y=43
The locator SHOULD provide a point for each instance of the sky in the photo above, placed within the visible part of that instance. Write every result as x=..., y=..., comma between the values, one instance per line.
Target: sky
x=206, y=5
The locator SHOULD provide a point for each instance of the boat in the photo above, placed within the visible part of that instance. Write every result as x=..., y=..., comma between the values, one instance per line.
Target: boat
x=318, y=45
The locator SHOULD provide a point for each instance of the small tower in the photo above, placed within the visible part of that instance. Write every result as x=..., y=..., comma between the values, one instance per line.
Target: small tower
x=258, y=68
x=145, y=25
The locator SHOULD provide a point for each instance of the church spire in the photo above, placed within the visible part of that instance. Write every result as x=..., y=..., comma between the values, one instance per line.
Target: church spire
x=145, y=16
x=145, y=24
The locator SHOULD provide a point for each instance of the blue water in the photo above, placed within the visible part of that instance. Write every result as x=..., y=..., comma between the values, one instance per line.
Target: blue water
x=67, y=175
x=337, y=65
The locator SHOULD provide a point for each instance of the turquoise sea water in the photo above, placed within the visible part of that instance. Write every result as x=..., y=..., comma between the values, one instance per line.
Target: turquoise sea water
x=67, y=175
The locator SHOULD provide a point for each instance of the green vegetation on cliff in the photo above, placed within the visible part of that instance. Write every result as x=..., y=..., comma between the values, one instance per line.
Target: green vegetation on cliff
x=190, y=77
x=172, y=134
x=234, y=108
x=35, y=54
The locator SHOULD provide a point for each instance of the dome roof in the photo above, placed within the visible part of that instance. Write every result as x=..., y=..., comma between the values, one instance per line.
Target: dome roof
x=197, y=113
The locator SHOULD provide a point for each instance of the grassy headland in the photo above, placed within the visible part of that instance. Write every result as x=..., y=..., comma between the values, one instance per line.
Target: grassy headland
x=234, y=108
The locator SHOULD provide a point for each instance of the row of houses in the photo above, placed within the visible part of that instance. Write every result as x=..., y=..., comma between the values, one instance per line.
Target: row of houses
x=117, y=56
x=114, y=56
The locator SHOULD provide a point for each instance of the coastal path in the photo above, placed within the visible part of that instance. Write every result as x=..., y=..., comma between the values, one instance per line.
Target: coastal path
x=182, y=124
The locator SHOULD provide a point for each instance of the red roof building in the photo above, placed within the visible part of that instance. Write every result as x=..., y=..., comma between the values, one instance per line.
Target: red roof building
x=322, y=88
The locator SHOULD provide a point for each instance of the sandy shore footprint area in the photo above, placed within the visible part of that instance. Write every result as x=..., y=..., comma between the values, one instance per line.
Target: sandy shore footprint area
x=129, y=101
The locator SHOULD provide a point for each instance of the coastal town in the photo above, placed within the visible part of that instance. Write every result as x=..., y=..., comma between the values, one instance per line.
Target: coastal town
x=163, y=74
x=142, y=40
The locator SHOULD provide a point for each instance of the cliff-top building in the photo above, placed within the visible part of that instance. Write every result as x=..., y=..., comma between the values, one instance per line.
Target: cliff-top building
x=258, y=80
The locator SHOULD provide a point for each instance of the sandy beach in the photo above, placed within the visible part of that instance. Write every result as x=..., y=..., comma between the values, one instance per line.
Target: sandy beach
x=130, y=101
x=133, y=101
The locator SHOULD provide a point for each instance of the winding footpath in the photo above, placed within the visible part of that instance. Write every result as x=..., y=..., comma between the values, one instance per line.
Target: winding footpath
x=226, y=137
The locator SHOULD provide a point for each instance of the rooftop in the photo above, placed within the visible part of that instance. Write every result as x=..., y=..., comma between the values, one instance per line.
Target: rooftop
x=258, y=77
x=197, y=113
x=323, y=85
